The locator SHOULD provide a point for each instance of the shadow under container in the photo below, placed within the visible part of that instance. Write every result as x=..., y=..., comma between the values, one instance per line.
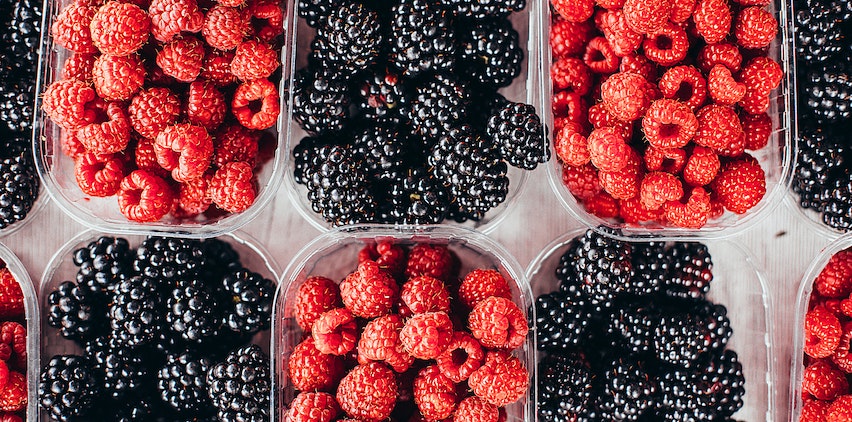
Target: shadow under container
x=334, y=254
x=738, y=285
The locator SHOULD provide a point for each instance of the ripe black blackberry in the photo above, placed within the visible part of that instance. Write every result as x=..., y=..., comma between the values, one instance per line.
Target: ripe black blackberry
x=821, y=159
x=320, y=101
x=193, y=312
x=651, y=264
x=381, y=95
x=565, y=386
x=122, y=372
x=17, y=98
x=136, y=311
x=603, y=266
x=482, y=9
x=422, y=38
x=691, y=271
x=820, y=30
x=316, y=11
x=307, y=158
x=79, y=314
x=103, y=263
x=67, y=388
x=19, y=181
x=182, y=383
x=168, y=259
x=22, y=39
x=349, y=40
x=565, y=272
x=712, y=391
x=240, y=386
x=632, y=326
x=221, y=259
x=418, y=197
x=384, y=148
x=838, y=203
x=517, y=130
x=489, y=52
x=248, y=307
x=562, y=318
x=339, y=188
x=688, y=331
x=628, y=392
x=827, y=92
x=439, y=105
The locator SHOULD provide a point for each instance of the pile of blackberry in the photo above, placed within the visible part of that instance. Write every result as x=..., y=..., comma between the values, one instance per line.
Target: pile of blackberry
x=401, y=105
x=19, y=182
x=631, y=336
x=165, y=330
x=823, y=176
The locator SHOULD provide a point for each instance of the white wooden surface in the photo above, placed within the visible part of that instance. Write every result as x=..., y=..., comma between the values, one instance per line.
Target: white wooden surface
x=783, y=244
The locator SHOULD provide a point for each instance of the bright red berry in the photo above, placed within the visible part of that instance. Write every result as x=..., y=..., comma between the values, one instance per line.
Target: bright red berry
x=572, y=74
x=719, y=129
x=79, y=66
x=693, y=214
x=602, y=205
x=568, y=107
x=205, y=105
x=144, y=197
x=152, y=110
x=757, y=129
x=658, y=188
x=632, y=211
x=118, y=78
x=581, y=181
x=334, y=332
x=668, y=46
x=824, y=382
x=740, y=184
x=712, y=20
x=233, y=187
x=835, y=279
x=109, y=136
x=498, y=323
x=571, y=146
x=182, y=58
x=71, y=27
x=474, y=409
x=724, y=89
x=119, y=29
x=368, y=392
x=682, y=10
x=600, y=57
x=723, y=53
x=685, y=84
x=425, y=336
x=462, y=357
x=380, y=341
x=193, y=197
x=841, y=357
x=608, y=150
x=624, y=95
x=669, y=124
x=255, y=104
x=813, y=411
x=171, y=17
x=313, y=407
x=760, y=76
x=755, y=27
x=225, y=27
x=569, y=38
x=254, y=60
x=574, y=10
x=423, y=294
x=14, y=335
x=267, y=17
x=639, y=64
x=312, y=370
x=840, y=410
x=434, y=394
x=370, y=291
x=217, y=67
x=99, y=174
x=11, y=296
x=822, y=333
x=13, y=396
x=623, y=184
x=390, y=257
x=71, y=145
x=701, y=167
x=432, y=260
x=185, y=150
x=146, y=158
x=669, y=160
x=315, y=296
x=502, y=380
x=620, y=35
x=647, y=17
x=481, y=284
x=68, y=103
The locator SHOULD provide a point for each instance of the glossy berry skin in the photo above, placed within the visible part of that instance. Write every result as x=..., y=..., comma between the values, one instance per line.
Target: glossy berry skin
x=182, y=383
x=517, y=129
x=248, y=304
x=75, y=311
x=67, y=387
x=240, y=386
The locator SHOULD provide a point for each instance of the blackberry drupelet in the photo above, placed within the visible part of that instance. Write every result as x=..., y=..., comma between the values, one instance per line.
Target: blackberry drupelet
x=307, y=157
x=193, y=312
x=489, y=53
x=384, y=148
x=240, y=386
x=168, y=259
x=565, y=272
x=320, y=101
x=418, y=197
x=349, y=40
x=182, y=383
x=439, y=105
x=316, y=11
x=23, y=38
x=628, y=391
x=339, y=188
x=381, y=95
x=828, y=93
x=67, y=388
x=103, y=263
x=838, y=203
x=77, y=312
x=248, y=307
x=603, y=266
x=565, y=386
x=711, y=391
x=482, y=9
x=651, y=264
x=689, y=330
x=422, y=38
x=136, y=311
x=123, y=372
x=517, y=130
x=632, y=326
x=17, y=98
x=562, y=318
x=691, y=271
x=221, y=259
x=19, y=181
x=820, y=33
x=821, y=158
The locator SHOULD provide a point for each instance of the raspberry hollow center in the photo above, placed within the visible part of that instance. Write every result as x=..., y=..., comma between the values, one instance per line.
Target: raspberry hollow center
x=663, y=42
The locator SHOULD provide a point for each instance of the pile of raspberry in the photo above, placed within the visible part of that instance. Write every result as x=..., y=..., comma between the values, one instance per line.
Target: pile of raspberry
x=164, y=103
x=661, y=107
x=13, y=349
x=826, y=395
x=403, y=337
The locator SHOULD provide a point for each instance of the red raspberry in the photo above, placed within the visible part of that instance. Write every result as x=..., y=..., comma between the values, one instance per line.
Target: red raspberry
x=669, y=124
x=712, y=20
x=502, y=380
x=740, y=185
x=724, y=54
x=71, y=28
x=623, y=184
x=109, y=136
x=607, y=149
x=193, y=197
x=4, y=371
x=434, y=394
x=841, y=357
x=658, y=188
x=231, y=3
x=692, y=215
x=647, y=16
x=233, y=187
x=423, y=294
x=669, y=160
x=498, y=323
x=640, y=65
x=267, y=16
x=182, y=58
x=719, y=129
x=234, y=143
x=171, y=17
x=462, y=357
x=840, y=410
x=254, y=60
x=569, y=38
x=425, y=336
x=474, y=409
x=368, y=392
x=610, y=4
x=574, y=10
x=389, y=256
x=315, y=295
x=13, y=395
x=846, y=308
x=755, y=28
x=146, y=158
x=571, y=146
x=602, y=205
x=152, y=110
x=621, y=37
x=260, y=95
x=480, y=284
x=380, y=341
x=225, y=27
x=370, y=291
x=119, y=29
x=570, y=105
x=572, y=74
x=823, y=381
x=581, y=181
x=312, y=370
x=668, y=46
x=144, y=197
x=724, y=89
x=118, y=78
x=66, y=103
x=760, y=76
x=11, y=296
x=685, y=84
x=79, y=66
x=70, y=144
x=99, y=175
x=205, y=105
x=757, y=129
x=335, y=332
x=813, y=411
x=14, y=335
x=701, y=167
x=313, y=407
x=835, y=279
x=682, y=10
x=600, y=57
x=632, y=211
x=217, y=67
x=822, y=333
x=432, y=260
x=185, y=150
x=600, y=117
x=624, y=96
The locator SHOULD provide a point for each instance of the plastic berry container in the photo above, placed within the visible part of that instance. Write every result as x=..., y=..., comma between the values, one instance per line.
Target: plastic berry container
x=528, y=87
x=738, y=285
x=31, y=315
x=334, y=254
x=777, y=158
x=103, y=214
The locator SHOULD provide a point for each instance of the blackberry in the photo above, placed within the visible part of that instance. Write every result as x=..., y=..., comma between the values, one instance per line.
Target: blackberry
x=564, y=386
x=103, y=263
x=23, y=38
x=132, y=408
x=651, y=264
x=381, y=95
x=485, y=102
x=339, y=187
x=518, y=131
x=828, y=93
x=565, y=272
x=711, y=391
x=422, y=38
x=67, y=388
x=192, y=312
x=819, y=30
x=418, y=197
x=482, y=9
x=603, y=266
x=838, y=204
x=249, y=305
x=489, y=53
x=383, y=147
x=76, y=311
x=316, y=11
x=168, y=259
x=691, y=271
x=348, y=40
x=632, y=326
x=439, y=105
x=562, y=318
x=821, y=159
x=240, y=386
x=306, y=158
x=221, y=259
x=19, y=182
x=17, y=99
x=688, y=331
x=628, y=391
x=471, y=168
x=182, y=383
x=135, y=311
x=122, y=371
x=320, y=101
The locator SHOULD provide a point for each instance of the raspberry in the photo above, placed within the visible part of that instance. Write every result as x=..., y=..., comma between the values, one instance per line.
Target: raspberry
x=600, y=117
x=498, y=323
x=11, y=296
x=246, y=100
x=232, y=187
x=99, y=175
x=315, y=295
x=640, y=65
x=757, y=129
x=217, y=67
x=423, y=294
x=79, y=66
x=574, y=10
x=225, y=27
x=146, y=158
x=152, y=110
x=822, y=333
x=434, y=394
x=312, y=370
x=813, y=411
x=569, y=105
x=66, y=101
x=841, y=357
x=193, y=197
x=602, y=205
x=71, y=28
x=621, y=37
x=581, y=181
x=185, y=150
x=685, y=84
x=610, y=4
x=835, y=279
x=231, y=3
x=4, y=369
x=144, y=197
x=572, y=74
x=368, y=392
x=740, y=185
x=823, y=381
x=109, y=136
x=480, y=284
x=380, y=341
x=755, y=28
x=119, y=29
x=669, y=160
x=623, y=184
x=712, y=20
x=267, y=18
x=334, y=332
x=724, y=54
x=432, y=260
x=369, y=292
x=13, y=395
x=313, y=407
x=461, y=358
x=724, y=90
x=607, y=149
x=571, y=146
x=389, y=256
x=657, y=188
x=624, y=96
x=182, y=58
x=692, y=215
x=760, y=76
x=840, y=410
x=669, y=124
x=569, y=38
x=647, y=16
x=205, y=105
x=719, y=129
x=71, y=145
x=502, y=380
x=682, y=10
x=425, y=336
x=474, y=409
x=12, y=333
x=632, y=211
x=117, y=78
x=701, y=167
x=668, y=46
x=600, y=57
x=234, y=143
x=254, y=60
x=171, y=17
